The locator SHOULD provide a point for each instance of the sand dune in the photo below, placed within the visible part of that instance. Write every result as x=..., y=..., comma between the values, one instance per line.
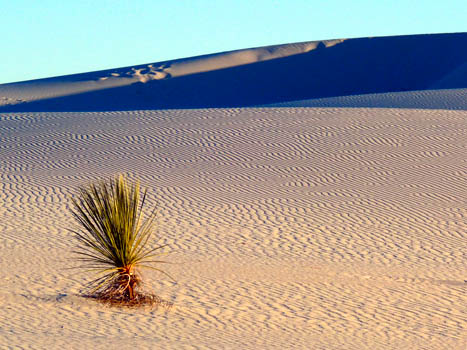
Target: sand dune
x=36, y=90
x=299, y=228
x=455, y=99
x=291, y=226
x=256, y=76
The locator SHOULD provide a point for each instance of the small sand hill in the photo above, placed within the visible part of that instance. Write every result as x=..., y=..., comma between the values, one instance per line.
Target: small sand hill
x=455, y=99
x=256, y=76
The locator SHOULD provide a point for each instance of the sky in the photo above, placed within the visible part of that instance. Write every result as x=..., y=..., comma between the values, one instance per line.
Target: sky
x=57, y=37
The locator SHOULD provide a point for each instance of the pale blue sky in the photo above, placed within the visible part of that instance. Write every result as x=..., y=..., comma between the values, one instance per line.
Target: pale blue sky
x=57, y=37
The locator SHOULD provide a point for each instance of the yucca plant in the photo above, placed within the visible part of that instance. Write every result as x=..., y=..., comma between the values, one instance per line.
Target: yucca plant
x=114, y=240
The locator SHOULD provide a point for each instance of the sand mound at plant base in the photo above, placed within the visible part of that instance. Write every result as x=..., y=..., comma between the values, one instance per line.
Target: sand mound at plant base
x=293, y=228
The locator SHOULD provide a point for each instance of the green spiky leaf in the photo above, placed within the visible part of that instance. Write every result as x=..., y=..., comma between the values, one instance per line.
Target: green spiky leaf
x=114, y=238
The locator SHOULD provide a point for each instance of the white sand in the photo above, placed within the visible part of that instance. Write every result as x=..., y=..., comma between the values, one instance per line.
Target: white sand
x=293, y=228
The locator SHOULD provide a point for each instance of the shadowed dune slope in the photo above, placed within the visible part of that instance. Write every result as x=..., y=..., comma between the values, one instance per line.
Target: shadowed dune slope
x=267, y=75
x=455, y=99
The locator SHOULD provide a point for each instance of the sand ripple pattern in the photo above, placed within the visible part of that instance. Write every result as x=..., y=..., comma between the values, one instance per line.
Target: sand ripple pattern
x=454, y=99
x=304, y=228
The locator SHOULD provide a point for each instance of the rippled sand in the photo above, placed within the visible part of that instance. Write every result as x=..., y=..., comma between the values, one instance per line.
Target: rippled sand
x=301, y=228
